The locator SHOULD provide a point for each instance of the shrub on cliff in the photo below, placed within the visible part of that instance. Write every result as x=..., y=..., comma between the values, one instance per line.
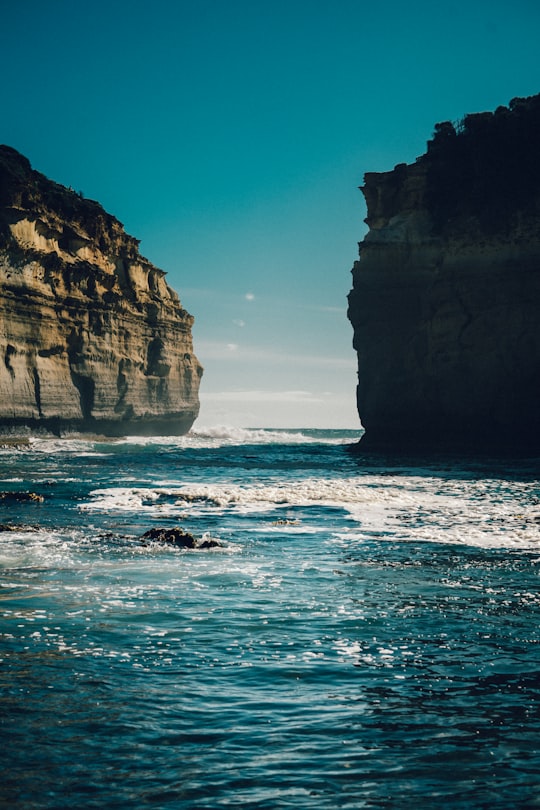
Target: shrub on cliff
x=488, y=168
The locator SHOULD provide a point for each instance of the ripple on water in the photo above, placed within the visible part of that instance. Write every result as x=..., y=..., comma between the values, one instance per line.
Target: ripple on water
x=367, y=638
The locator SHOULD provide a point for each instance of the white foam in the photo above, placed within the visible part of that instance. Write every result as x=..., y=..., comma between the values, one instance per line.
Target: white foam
x=405, y=508
x=232, y=435
x=121, y=499
x=52, y=446
x=35, y=548
x=199, y=437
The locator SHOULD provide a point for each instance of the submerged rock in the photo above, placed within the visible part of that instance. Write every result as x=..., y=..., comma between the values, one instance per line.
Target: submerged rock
x=21, y=497
x=92, y=338
x=179, y=538
x=445, y=303
x=17, y=527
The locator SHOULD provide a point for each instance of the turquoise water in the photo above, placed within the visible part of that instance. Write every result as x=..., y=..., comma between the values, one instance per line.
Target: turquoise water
x=366, y=636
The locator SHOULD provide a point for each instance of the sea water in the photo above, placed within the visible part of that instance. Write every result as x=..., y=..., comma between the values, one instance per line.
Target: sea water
x=365, y=636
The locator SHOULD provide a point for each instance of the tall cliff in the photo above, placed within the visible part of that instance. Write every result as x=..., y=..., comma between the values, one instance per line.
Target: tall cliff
x=91, y=335
x=445, y=303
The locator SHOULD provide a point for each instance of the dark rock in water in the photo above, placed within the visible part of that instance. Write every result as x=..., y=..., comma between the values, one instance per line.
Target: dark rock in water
x=180, y=539
x=208, y=542
x=21, y=497
x=174, y=537
x=14, y=527
x=445, y=303
x=92, y=338
x=12, y=443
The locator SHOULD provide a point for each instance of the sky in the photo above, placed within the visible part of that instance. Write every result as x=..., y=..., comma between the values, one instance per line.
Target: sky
x=231, y=138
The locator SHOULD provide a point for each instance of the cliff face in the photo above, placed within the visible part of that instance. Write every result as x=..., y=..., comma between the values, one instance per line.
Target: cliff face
x=445, y=303
x=91, y=335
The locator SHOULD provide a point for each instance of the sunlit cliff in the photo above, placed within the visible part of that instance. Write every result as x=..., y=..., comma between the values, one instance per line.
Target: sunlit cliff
x=91, y=335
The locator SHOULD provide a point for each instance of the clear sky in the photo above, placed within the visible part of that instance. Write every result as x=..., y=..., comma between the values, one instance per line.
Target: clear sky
x=230, y=137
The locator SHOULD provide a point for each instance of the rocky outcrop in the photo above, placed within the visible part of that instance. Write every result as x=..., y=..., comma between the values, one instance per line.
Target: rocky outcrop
x=179, y=538
x=445, y=303
x=91, y=335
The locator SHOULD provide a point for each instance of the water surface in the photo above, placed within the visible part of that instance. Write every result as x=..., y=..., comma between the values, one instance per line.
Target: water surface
x=366, y=636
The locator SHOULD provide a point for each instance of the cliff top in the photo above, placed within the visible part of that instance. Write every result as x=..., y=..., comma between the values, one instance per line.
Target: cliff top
x=24, y=189
x=487, y=165
x=484, y=169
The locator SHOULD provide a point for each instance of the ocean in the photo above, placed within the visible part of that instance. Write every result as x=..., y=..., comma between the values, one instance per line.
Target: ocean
x=365, y=635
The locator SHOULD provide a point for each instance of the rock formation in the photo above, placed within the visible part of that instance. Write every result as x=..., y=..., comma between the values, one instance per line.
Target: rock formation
x=445, y=303
x=91, y=335
x=179, y=538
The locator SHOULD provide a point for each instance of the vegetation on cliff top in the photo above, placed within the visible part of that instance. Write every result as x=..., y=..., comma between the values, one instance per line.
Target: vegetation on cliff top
x=486, y=167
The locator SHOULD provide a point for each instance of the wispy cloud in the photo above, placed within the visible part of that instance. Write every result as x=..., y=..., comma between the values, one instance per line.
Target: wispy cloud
x=285, y=408
x=262, y=396
x=315, y=308
x=213, y=350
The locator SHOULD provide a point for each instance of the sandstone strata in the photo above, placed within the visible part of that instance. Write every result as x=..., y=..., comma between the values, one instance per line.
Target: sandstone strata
x=91, y=335
x=445, y=303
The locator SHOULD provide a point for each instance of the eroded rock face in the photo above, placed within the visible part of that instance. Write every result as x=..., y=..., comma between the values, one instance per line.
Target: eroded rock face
x=91, y=335
x=445, y=303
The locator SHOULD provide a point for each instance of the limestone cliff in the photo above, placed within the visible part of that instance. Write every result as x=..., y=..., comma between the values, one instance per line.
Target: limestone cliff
x=91, y=335
x=445, y=303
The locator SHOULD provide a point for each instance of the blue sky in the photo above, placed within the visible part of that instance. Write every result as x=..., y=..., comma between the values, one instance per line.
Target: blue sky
x=231, y=138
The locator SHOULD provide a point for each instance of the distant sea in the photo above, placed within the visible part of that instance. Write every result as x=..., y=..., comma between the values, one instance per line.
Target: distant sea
x=365, y=636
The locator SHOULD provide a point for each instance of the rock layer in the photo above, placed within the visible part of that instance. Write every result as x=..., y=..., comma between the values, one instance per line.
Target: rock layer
x=445, y=303
x=91, y=335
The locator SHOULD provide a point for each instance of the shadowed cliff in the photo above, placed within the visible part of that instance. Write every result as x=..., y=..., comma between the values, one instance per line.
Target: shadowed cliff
x=445, y=303
x=91, y=335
